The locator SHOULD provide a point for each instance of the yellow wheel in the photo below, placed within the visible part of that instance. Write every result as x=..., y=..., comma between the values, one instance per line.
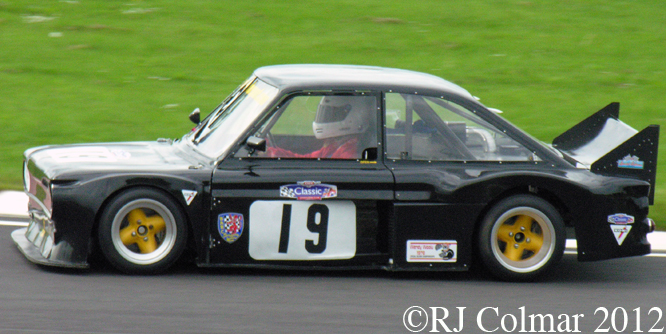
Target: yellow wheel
x=142, y=231
x=521, y=237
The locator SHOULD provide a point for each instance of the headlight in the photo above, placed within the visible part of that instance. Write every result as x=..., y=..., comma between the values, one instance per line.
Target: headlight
x=26, y=176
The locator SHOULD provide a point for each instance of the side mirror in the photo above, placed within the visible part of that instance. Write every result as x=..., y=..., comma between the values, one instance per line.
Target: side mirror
x=195, y=117
x=256, y=143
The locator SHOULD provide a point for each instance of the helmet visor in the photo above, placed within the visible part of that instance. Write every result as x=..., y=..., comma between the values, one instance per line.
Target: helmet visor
x=327, y=113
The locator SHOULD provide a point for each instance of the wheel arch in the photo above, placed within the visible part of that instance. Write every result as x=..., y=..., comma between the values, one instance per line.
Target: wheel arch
x=114, y=195
x=542, y=192
x=556, y=190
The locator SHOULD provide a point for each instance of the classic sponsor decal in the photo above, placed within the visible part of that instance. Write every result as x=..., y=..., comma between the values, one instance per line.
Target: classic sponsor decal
x=309, y=191
x=432, y=250
x=230, y=225
x=189, y=196
x=620, y=225
x=620, y=232
x=630, y=161
x=621, y=219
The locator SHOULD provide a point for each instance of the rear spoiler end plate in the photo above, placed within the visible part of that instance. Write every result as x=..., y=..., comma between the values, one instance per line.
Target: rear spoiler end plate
x=608, y=146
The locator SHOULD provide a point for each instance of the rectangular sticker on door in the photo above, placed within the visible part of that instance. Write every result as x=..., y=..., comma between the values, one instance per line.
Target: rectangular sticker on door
x=432, y=251
x=302, y=230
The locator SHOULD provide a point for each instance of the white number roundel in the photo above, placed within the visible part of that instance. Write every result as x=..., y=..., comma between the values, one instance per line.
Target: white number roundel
x=302, y=230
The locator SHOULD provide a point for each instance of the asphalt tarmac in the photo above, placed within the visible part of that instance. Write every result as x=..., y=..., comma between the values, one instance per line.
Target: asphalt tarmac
x=625, y=294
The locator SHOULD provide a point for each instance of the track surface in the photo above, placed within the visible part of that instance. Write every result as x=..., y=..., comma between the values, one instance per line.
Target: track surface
x=35, y=299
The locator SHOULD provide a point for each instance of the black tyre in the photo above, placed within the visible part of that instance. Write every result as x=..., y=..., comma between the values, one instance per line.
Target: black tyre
x=142, y=231
x=521, y=237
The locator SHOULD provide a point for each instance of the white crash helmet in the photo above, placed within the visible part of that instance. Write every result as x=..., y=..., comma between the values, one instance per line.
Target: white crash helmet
x=343, y=115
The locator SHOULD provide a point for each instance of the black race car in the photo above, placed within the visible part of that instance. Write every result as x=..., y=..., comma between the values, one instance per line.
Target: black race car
x=331, y=167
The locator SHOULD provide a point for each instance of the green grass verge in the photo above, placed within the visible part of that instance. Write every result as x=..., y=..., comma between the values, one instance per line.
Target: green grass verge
x=91, y=71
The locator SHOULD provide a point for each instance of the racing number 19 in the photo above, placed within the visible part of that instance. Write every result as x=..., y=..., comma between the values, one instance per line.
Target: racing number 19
x=313, y=226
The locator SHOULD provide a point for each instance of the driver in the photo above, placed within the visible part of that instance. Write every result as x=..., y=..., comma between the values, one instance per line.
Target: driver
x=340, y=122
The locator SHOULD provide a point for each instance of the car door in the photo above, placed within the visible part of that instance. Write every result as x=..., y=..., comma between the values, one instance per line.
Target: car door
x=315, y=196
x=435, y=147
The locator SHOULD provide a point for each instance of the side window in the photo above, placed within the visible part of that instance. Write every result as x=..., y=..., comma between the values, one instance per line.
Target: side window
x=433, y=129
x=321, y=127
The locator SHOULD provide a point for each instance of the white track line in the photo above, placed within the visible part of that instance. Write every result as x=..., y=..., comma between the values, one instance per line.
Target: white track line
x=13, y=223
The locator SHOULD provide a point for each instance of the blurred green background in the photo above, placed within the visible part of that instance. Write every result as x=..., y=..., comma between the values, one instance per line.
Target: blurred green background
x=93, y=71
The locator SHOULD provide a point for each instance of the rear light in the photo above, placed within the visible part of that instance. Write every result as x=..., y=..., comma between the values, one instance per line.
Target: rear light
x=651, y=224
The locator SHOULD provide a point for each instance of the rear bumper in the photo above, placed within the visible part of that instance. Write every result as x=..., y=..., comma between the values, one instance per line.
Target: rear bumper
x=606, y=242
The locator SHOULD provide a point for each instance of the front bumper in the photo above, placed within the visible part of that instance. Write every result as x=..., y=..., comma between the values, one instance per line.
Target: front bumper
x=36, y=244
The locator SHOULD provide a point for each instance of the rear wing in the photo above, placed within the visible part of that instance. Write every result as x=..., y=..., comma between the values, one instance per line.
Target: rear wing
x=608, y=146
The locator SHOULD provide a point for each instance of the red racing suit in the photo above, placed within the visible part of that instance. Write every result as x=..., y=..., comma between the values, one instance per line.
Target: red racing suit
x=345, y=150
